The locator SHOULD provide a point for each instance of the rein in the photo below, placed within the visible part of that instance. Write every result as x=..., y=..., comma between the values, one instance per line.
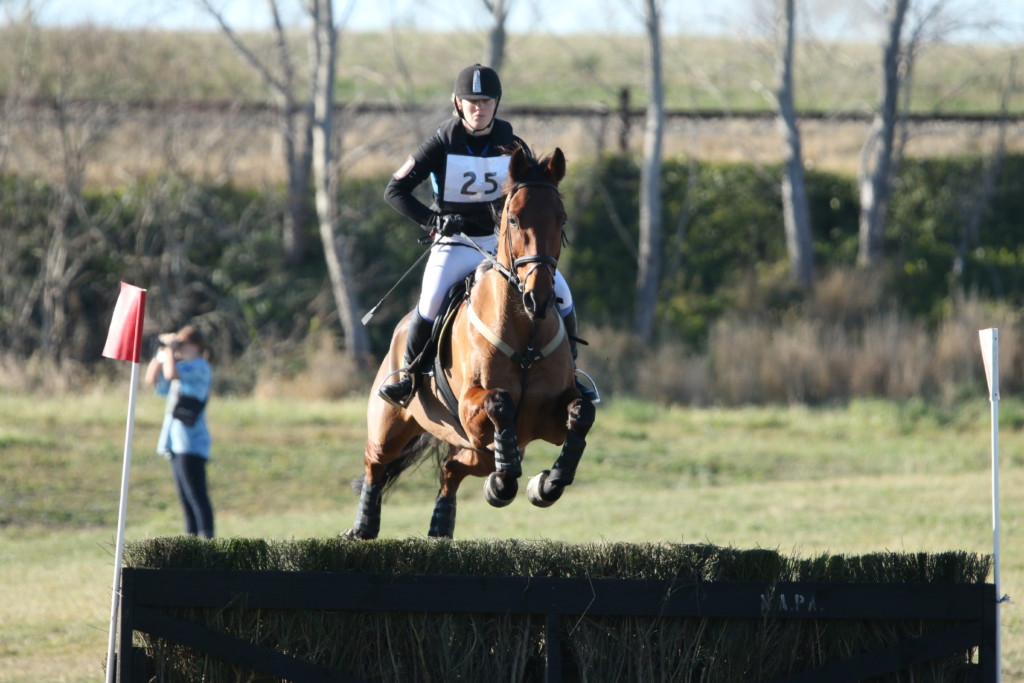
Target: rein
x=526, y=358
x=511, y=274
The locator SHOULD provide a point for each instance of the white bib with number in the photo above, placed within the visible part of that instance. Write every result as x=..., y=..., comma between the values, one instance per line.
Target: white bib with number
x=474, y=179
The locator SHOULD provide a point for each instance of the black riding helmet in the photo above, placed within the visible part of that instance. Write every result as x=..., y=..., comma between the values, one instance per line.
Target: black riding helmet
x=476, y=83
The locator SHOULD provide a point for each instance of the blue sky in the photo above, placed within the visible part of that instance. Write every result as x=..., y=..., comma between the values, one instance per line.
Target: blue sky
x=832, y=18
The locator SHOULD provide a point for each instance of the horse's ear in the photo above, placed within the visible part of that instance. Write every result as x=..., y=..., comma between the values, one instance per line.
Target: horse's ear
x=518, y=164
x=556, y=167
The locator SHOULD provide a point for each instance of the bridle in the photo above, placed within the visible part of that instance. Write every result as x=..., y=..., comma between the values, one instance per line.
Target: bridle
x=537, y=260
x=526, y=358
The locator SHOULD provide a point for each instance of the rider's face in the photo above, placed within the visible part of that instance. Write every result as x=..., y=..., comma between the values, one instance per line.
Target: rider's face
x=478, y=114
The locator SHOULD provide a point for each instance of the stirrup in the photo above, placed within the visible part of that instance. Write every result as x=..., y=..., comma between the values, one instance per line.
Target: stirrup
x=398, y=403
x=590, y=393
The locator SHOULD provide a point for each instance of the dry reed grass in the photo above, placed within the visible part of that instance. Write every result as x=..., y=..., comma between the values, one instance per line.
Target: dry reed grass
x=835, y=349
x=318, y=370
x=841, y=345
x=242, y=147
x=38, y=375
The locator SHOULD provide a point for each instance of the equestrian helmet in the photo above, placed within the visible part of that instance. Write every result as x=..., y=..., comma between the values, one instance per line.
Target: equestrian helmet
x=477, y=83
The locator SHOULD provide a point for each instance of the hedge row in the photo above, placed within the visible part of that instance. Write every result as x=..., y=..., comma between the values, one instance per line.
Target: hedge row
x=410, y=646
x=213, y=252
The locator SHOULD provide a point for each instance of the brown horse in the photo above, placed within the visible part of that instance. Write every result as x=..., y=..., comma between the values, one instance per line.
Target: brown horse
x=508, y=365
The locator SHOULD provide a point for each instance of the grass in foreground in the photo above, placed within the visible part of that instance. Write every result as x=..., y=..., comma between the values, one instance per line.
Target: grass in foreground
x=871, y=477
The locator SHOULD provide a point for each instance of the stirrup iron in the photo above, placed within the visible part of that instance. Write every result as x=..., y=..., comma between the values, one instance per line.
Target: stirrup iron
x=412, y=394
x=593, y=384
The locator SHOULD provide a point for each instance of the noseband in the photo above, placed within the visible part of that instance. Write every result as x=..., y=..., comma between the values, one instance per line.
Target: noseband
x=537, y=260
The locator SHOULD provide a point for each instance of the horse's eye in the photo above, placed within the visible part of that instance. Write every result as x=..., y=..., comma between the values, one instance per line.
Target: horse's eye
x=513, y=222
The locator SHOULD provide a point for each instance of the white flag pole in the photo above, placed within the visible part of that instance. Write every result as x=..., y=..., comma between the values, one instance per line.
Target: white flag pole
x=990, y=355
x=119, y=553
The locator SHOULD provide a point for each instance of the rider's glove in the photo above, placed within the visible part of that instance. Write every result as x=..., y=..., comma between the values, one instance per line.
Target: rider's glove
x=447, y=224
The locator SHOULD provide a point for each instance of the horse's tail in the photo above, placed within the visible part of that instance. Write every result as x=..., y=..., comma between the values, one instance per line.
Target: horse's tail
x=415, y=452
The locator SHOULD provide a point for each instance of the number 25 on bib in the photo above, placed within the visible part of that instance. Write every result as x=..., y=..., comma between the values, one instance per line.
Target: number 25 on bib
x=474, y=179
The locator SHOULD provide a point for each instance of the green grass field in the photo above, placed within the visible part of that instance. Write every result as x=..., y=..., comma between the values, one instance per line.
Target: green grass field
x=866, y=477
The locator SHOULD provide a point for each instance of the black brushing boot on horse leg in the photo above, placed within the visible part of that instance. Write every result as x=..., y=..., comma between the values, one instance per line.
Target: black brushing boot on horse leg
x=546, y=488
x=416, y=359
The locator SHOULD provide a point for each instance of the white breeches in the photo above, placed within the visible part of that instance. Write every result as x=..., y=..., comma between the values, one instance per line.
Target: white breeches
x=450, y=262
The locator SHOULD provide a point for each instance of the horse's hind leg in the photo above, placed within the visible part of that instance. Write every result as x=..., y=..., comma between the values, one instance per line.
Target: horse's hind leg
x=367, y=522
x=547, y=487
x=383, y=466
x=455, y=468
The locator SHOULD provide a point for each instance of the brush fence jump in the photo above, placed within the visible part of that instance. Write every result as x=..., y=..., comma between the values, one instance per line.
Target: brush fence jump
x=966, y=611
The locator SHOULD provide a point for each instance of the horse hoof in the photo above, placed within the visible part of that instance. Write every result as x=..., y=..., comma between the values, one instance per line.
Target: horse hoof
x=535, y=490
x=498, y=491
x=351, y=535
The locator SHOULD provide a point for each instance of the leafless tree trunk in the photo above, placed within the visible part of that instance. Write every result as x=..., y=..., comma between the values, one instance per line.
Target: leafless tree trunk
x=297, y=131
x=977, y=204
x=494, y=54
x=337, y=252
x=649, y=260
x=876, y=167
x=796, y=214
x=295, y=123
x=72, y=238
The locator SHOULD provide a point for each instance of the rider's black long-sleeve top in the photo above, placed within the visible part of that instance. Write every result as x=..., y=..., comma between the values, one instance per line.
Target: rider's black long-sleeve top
x=430, y=162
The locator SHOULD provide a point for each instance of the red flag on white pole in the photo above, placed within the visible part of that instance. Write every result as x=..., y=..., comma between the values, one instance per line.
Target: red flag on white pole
x=124, y=342
x=124, y=339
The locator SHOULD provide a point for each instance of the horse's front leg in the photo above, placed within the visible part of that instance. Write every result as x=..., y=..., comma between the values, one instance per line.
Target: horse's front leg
x=547, y=487
x=492, y=413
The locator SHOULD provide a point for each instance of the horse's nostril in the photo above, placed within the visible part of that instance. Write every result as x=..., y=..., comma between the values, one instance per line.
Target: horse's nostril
x=530, y=301
x=533, y=306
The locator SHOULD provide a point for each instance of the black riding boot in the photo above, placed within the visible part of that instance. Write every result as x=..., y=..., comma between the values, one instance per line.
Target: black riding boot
x=416, y=359
x=570, y=331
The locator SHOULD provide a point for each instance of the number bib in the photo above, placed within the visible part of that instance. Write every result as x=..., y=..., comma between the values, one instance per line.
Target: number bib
x=474, y=179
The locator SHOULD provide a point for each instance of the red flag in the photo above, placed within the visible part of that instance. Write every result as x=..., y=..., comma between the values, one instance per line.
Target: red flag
x=124, y=339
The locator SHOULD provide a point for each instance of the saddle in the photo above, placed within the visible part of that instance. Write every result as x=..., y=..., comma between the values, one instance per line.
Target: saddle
x=441, y=338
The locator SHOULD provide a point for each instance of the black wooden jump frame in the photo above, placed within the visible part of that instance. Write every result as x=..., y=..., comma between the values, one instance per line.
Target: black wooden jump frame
x=970, y=610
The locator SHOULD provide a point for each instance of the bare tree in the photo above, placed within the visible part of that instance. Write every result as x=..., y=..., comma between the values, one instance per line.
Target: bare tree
x=337, y=252
x=977, y=204
x=877, y=156
x=649, y=258
x=295, y=124
x=796, y=214
x=308, y=131
x=42, y=307
x=494, y=54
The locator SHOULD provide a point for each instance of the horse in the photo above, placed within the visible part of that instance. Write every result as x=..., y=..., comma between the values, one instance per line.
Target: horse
x=508, y=365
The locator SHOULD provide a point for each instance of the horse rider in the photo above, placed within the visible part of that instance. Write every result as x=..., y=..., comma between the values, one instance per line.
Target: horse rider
x=467, y=164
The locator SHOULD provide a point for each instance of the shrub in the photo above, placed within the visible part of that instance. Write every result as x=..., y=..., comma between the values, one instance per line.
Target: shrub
x=461, y=646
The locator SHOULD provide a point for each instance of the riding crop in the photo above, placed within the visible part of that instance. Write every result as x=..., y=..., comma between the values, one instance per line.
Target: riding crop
x=373, y=311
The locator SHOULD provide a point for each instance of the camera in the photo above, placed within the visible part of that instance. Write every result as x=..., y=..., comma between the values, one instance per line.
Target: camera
x=151, y=343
